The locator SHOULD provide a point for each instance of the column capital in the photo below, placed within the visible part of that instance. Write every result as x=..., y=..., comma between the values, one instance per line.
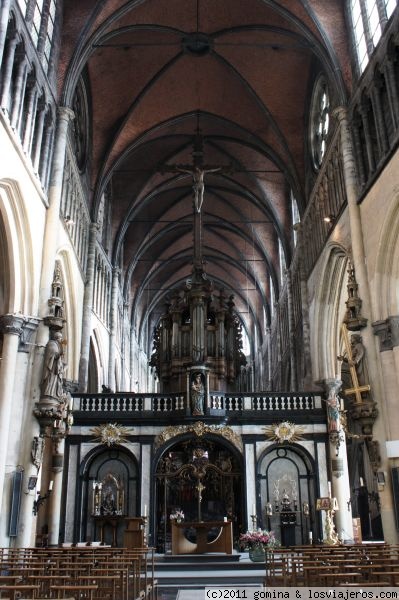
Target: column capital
x=387, y=332
x=66, y=113
x=29, y=328
x=340, y=113
x=332, y=385
x=12, y=324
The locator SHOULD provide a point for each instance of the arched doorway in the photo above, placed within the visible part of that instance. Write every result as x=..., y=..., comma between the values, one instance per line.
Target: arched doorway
x=109, y=494
x=286, y=478
x=201, y=477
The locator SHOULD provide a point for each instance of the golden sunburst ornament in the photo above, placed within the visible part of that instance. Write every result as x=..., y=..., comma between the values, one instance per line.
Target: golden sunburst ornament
x=284, y=432
x=111, y=434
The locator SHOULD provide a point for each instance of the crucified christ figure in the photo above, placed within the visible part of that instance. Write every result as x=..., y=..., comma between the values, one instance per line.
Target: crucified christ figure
x=198, y=183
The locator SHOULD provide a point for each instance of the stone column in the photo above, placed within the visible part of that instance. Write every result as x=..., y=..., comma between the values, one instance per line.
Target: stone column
x=53, y=211
x=367, y=135
x=291, y=334
x=379, y=117
x=45, y=153
x=87, y=310
x=381, y=426
x=306, y=378
x=38, y=134
x=4, y=17
x=31, y=110
x=269, y=358
x=11, y=327
x=19, y=92
x=54, y=511
x=358, y=147
x=7, y=72
x=114, y=322
x=393, y=97
x=338, y=461
x=250, y=483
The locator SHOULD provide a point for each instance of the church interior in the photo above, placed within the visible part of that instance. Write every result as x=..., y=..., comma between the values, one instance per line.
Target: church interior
x=199, y=273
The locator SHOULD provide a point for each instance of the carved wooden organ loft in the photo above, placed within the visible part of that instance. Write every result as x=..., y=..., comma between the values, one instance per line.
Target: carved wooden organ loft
x=199, y=328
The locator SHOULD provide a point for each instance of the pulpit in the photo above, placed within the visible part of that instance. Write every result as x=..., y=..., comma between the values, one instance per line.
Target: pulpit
x=222, y=543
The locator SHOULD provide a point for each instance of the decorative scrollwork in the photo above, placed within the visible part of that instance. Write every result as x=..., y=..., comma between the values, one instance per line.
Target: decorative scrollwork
x=199, y=429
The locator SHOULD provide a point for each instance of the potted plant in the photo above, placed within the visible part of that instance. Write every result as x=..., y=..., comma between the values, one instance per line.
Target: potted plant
x=257, y=543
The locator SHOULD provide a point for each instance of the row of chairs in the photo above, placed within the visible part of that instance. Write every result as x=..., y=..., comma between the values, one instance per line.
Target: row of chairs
x=333, y=565
x=95, y=573
x=371, y=565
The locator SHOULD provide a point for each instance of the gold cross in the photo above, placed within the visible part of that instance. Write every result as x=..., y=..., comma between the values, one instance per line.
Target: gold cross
x=356, y=389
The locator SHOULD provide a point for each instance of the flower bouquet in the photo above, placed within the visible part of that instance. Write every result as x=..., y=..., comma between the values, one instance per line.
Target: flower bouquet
x=257, y=543
x=264, y=539
x=177, y=515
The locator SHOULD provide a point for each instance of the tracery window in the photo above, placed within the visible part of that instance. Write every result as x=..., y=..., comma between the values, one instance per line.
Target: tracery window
x=369, y=18
x=319, y=121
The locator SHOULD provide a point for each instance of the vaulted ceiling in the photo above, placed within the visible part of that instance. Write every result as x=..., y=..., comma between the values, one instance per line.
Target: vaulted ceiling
x=239, y=72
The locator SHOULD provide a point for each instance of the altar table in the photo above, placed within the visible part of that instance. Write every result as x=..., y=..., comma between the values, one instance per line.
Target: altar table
x=223, y=542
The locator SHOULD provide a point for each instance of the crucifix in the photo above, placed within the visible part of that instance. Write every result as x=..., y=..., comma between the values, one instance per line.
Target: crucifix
x=356, y=389
x=197, y=170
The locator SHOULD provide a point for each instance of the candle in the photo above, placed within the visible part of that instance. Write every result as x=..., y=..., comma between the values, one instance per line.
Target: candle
x=361, y=482
x=329, y=488
x=50, y=487
x=145, y=510
x=253, y=509
x=71, y=403
x=310, y=536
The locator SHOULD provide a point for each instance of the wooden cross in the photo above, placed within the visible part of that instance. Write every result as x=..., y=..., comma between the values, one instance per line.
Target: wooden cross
x=356, y=389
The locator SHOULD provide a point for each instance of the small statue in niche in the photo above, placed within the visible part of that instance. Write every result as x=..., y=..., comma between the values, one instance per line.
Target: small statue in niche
x=197, y=391
x=108, y=506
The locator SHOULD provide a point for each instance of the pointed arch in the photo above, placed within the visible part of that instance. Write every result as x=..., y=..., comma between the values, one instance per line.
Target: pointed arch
x=328, y=312
x=20, y=281
x=386, y=290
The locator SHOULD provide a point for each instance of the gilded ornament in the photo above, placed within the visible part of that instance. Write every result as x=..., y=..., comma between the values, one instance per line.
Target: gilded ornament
x=111, y=434
x=199, y=429
x=284, y=432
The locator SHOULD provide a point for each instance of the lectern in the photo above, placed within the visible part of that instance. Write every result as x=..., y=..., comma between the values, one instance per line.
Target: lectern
x=133, y=536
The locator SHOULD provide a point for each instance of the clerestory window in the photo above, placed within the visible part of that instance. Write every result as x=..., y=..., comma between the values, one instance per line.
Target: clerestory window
x=319, y=121
x=369, y=17
x=40, y=18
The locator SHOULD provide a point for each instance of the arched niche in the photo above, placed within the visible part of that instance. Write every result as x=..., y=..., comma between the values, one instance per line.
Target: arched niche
x=107, y=465
x=178, y=469
x=287, y=489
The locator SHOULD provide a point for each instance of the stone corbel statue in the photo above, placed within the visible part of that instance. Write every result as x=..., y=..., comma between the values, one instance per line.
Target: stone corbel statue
x=52, y=391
